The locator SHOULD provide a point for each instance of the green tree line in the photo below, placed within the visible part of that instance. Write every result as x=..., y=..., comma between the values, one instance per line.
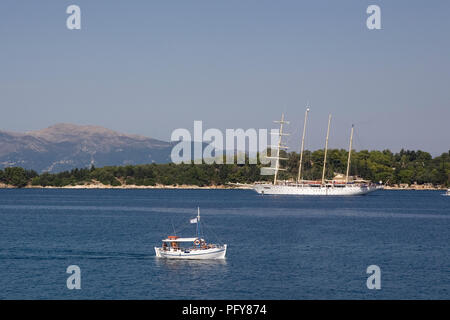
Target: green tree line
x=392, y=168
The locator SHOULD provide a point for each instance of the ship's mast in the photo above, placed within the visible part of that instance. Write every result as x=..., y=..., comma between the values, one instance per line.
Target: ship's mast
x=301, y=151
x=279, y=146
x=326, y=148
x=349, y=155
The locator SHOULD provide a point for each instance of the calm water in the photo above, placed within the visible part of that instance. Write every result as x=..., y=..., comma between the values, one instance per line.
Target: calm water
x=278, y=247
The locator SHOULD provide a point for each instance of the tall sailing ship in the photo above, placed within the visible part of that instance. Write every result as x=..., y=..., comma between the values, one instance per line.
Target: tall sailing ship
x=307, y=187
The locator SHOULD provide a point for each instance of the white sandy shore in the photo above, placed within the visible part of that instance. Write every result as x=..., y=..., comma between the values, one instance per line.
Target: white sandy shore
x=131, y=186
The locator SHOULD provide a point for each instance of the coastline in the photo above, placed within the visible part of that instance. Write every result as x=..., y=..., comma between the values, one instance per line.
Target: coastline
x=237, y=186
x=415, y=188
x=131, y=186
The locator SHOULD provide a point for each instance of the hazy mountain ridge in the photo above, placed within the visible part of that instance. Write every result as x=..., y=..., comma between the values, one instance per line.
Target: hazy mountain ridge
x=66, y=146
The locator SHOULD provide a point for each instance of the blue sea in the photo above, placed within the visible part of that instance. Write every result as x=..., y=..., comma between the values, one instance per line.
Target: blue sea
x=279, y=247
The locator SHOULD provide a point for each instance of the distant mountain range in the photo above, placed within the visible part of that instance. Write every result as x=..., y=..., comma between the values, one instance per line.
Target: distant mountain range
x=67, y=146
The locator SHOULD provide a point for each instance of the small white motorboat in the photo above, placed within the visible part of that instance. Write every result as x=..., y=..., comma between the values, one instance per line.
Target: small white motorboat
x=175, y=247
x=447, y=193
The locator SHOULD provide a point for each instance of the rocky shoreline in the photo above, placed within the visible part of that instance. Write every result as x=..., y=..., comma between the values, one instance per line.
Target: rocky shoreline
x=128, y=186
x=417, y=188
x=99, y=185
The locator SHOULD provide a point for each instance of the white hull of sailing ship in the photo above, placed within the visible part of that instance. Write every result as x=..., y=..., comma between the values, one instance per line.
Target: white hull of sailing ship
x=218, y=252
x=308, y=190
x=302, y=187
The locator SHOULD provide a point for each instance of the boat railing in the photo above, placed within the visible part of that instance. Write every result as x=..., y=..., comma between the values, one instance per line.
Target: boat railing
x=208, y=246
x=316, y=184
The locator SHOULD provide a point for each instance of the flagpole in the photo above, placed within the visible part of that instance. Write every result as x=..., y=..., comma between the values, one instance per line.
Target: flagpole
x=198, y=222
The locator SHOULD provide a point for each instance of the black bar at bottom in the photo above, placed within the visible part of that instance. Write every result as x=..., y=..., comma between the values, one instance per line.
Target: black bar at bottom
x=222, y=309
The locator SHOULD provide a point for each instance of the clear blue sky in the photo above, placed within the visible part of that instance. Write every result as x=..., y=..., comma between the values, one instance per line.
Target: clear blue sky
x=149, y=67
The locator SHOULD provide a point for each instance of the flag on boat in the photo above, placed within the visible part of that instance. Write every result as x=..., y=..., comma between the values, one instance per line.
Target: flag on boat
x=194, y=220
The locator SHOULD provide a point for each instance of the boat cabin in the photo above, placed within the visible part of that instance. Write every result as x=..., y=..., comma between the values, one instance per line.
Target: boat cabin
x=174, y=243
